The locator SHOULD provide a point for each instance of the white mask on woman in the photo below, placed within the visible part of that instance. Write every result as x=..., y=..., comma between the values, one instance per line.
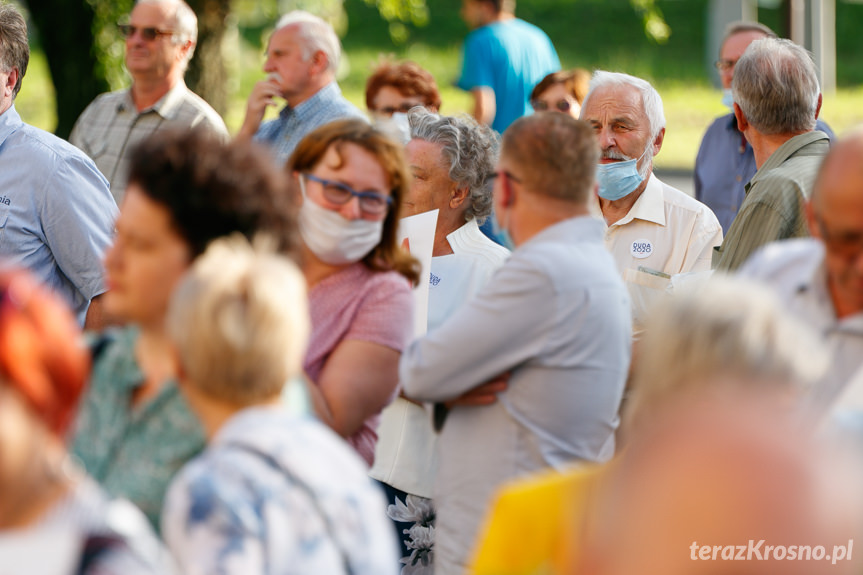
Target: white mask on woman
x=335, y=239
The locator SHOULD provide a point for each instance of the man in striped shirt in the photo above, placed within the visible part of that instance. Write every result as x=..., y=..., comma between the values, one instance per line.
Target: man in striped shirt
x=776, y=103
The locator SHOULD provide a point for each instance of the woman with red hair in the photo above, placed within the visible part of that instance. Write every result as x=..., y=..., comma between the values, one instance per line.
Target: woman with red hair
x=44, y=498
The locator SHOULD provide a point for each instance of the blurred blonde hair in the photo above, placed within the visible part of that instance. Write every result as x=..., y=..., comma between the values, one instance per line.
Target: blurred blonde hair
x=240, y=321
x=724, y=330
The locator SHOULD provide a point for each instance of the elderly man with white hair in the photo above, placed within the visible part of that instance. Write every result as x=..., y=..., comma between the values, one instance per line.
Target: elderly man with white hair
x=654, y=231
x=160, y=41
x=302, y=58
x=776, y=103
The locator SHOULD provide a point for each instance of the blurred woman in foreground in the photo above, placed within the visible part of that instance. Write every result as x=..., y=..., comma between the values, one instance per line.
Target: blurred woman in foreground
x=51, y=513
x=273, y=492
x=185, y=189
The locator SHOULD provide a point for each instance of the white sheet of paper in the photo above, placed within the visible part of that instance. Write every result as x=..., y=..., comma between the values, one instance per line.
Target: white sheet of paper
x=40, y=552
x=419, y=232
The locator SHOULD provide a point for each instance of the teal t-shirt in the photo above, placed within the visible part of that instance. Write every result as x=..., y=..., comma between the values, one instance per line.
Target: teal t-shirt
x=510, y=57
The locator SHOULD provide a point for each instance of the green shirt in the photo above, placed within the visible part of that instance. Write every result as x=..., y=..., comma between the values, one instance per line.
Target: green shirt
x=775, y=197
x=133, y=452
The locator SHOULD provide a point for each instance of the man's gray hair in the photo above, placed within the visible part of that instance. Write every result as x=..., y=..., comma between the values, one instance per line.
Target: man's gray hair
x=741, y=26
x=470, y=149
x=650, y=99
x=776, y=86
x=14, y=48
x=316, y=35
x=185, y=24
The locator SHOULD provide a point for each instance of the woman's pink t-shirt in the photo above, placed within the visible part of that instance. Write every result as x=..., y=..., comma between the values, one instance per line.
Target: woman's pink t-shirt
x=361, y=304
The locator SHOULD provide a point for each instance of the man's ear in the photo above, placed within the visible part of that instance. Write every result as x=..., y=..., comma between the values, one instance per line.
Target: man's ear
x=319, y=63
x=742, y=123
x=818, y=107
x=657, y=141
x=184, y=49
x=11, y=80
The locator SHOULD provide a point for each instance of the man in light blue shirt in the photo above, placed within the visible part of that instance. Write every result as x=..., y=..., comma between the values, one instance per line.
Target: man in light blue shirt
x=555, y=315
x=56, y=212
x=503, y=58
x=302, y=57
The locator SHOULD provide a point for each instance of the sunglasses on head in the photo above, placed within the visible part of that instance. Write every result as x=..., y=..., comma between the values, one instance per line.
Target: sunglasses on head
x=149, y=33
x=542, y=106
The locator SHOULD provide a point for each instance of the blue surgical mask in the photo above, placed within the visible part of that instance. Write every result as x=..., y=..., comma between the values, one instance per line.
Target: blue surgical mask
x=618, y=179
x=728, y=99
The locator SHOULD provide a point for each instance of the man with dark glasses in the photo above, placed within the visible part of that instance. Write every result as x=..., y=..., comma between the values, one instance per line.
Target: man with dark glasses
x=160, y=40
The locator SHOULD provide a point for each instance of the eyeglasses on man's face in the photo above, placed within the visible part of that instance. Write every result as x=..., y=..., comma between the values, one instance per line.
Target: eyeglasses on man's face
x=560, y=105
x=725, y=65
x=147, y=33
x=372, y=203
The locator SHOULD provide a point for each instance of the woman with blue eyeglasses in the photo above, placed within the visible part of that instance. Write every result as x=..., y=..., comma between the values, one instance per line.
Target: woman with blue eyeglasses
x=353, y=179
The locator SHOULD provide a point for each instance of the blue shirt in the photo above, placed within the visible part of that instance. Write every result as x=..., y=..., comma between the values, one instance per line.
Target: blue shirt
x=510, y=57
x=293, y=124
x=56, y=212
x=724, y=165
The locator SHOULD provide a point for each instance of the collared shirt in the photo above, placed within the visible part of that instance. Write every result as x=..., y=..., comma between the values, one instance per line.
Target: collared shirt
x=794, y=269
x=724, y=165
x=293, y=124
x=666, y=232
x=133, y=451
x=274, y=493
x=773, y=208
x=510, y=57
x=111, y=126
x=56, y=213
x=556, y=315
x=405, y=454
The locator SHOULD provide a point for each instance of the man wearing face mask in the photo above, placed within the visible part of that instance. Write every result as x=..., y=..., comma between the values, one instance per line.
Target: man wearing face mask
x=654, y=231
x=725, y=162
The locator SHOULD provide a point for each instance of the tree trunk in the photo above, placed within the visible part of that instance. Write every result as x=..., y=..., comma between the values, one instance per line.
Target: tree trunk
x=66, y=35
x=207, y=75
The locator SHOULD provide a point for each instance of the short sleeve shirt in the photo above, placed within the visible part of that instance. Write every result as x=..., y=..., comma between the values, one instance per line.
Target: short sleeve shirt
x=510, y=57
x=360, y=304
x=111, y=126
x=133, y=451
x=56, y=213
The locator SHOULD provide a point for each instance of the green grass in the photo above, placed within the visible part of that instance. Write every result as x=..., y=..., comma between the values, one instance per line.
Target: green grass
x=593, y=34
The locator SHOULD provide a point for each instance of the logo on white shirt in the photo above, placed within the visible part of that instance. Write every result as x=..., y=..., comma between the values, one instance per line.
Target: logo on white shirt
x=641, y=249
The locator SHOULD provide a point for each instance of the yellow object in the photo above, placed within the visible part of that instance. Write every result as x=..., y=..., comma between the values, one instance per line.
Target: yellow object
x=535, y=525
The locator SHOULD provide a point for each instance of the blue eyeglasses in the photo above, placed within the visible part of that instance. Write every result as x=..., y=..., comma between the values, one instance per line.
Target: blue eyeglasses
x=338, y=193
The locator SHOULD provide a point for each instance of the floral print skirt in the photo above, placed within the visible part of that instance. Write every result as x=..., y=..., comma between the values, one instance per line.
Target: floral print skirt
x=414, y=519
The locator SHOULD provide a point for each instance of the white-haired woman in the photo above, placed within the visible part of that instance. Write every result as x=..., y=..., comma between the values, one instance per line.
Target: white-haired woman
x=273, y=492
x=450, y=159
